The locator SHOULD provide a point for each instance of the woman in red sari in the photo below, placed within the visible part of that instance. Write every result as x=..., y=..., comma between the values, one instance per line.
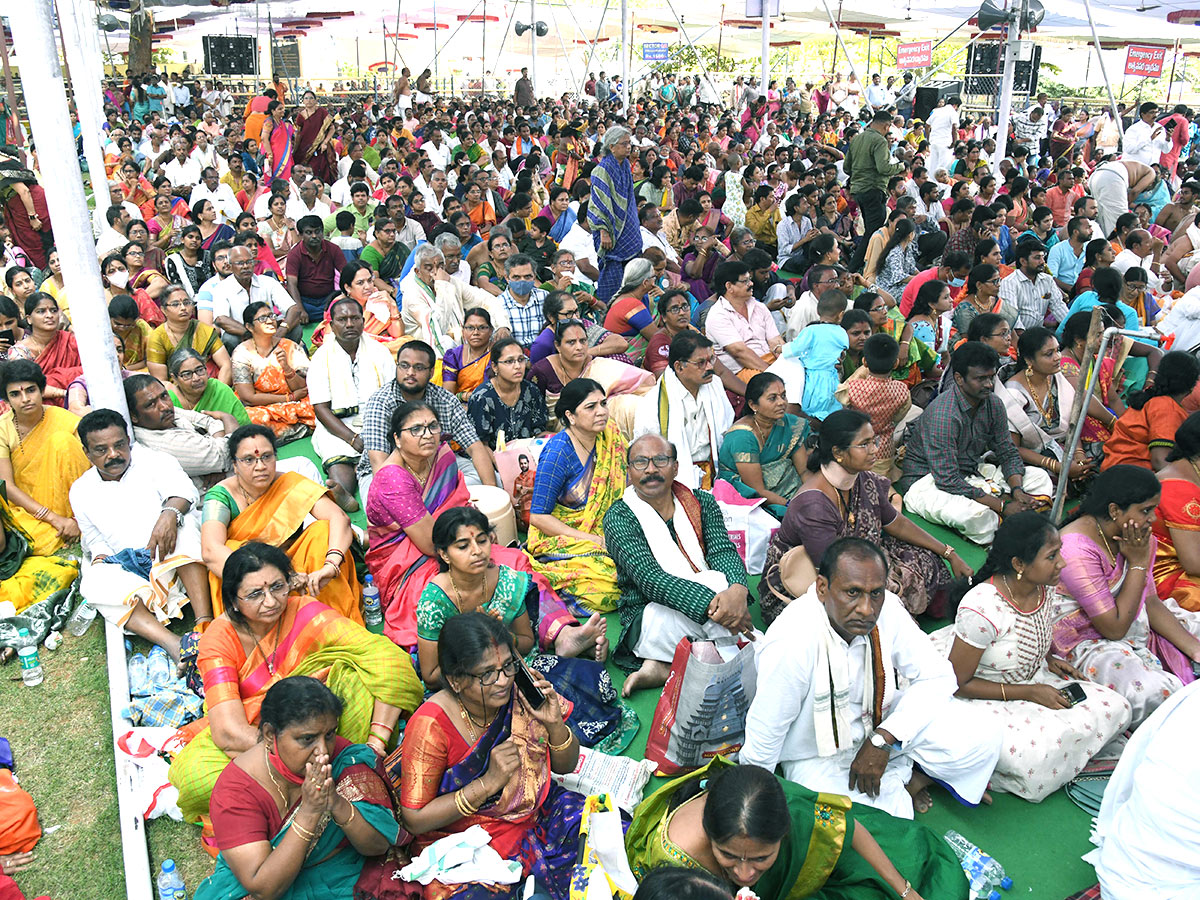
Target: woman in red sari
x=134, y=186
x=277, y=141
x=25, y=211
x=314, y=138
x=54, y=350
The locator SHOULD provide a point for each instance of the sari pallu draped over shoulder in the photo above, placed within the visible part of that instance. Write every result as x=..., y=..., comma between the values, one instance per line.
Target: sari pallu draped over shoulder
x=816, y=858
x=359, y=667
x=45, y=465
x=332, y=866
x=59, y=362
x=277, y=518
x=26, y=579
x=612, y=207
x=311, y=132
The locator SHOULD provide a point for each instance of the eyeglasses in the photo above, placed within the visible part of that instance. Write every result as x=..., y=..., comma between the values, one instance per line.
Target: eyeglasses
x=192, y=373
x=993, y=281
x=279, y=589
x=875, y=309
x=253, y=461
x=515, y=361
x=477, y=328
x=491, y=676
x=747, y=280
x=412, y=367
x=641, y=463
x=181, y=304
x=678, y=308
x=866, y=445
x=262, y=320
x=420, y=431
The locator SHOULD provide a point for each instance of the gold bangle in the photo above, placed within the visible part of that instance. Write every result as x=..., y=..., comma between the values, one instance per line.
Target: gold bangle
x=463, y=804
x=947, y=551
x=1003, y=693
x=556, y=748
x=303, y=832
x=343, y=825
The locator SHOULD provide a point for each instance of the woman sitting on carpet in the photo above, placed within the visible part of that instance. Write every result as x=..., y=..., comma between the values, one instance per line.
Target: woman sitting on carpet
x=258, y=504
x=192, y=387
x=843, y=497
x=381, y=318
x=629, y=313
x=181, y=329
x=268, y=376
x=268, y=631
x=303, y=812
x=465, y=367
x=477, y=753
x=508, y=401
x=1108, y=619
x=53, y=349
x=40, y=458
x=1145, y=432
x=580, y=474
x=999, y=645
x=763, y=453
x=753, y=829
x=470, y=581
x=27, y=579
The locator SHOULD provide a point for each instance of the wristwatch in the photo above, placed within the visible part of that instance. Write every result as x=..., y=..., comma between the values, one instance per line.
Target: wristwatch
x=877, y=740
x=177, y=513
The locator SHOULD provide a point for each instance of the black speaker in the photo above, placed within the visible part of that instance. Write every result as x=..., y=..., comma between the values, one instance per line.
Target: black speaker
x=926, y=98
x=1025, y=75
x=985, y=64
x=225, y=55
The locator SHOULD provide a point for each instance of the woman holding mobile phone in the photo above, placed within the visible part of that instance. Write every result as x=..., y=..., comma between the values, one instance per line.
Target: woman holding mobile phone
x=999, y=646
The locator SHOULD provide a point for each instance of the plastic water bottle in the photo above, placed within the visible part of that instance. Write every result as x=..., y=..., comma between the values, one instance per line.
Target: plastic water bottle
x=159, y=669
x=985, y=875
x=81, y=620
x=139, y=677
x=31, y=662
x=372, y=611
x=170, y=882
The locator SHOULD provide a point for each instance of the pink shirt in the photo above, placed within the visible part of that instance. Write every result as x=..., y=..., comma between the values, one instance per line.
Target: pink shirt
x=726, y=326
x=910, y=291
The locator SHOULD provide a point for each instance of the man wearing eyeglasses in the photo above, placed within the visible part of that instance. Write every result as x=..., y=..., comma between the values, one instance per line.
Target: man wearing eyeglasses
x=804, y=311
x=679, y=572
x=231, y=297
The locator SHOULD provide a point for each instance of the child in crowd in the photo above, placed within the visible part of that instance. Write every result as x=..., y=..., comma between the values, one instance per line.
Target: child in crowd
x=878, y=395
x=819, y=347
x=537, y=244
x=345, y=239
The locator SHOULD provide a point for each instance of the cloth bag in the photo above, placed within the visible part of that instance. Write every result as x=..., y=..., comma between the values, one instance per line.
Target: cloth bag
x=702, y=710
x=750, y=527
x=518, y=483
x=602, y=871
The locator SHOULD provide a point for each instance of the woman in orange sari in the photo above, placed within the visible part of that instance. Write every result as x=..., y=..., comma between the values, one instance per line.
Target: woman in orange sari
x=1145, y=432
x=271, y=629
x=381, y=317
x=269, y=377
x=257, y=503
x=482, y=216
x=1177, y=563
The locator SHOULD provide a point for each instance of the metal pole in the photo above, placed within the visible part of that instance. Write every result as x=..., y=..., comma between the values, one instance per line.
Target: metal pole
x=46, y=104
x=625, y=51
x=592, y=50
x=765, y=24
x=699, y=59
x=1112, y=101
x=483, y=53
x=257, y=48
x=837, y=33
x=533, y=47
x=1007, y=78
x=435, y=42
x=1171, y=80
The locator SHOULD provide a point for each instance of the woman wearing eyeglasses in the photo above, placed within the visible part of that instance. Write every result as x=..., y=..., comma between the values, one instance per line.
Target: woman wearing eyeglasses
x=182, y=330
x=271, y=627
x=982, y=296
x=269, y=377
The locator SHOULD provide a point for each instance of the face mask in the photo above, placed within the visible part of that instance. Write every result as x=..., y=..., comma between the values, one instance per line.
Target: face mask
x=957, y=282
x=119, y=279
x=521, y=288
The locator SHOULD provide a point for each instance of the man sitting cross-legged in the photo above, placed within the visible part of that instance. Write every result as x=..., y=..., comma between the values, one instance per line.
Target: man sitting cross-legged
x=140, y=525
x=678, y=572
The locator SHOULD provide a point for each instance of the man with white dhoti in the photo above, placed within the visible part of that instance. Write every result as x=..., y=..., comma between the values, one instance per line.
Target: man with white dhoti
x=342, y=376
x=828, y=708
x=1115, y=185
x=942, y=123
x=139, y=520
x=435, y=303
x=678, y=571
x=689, y=408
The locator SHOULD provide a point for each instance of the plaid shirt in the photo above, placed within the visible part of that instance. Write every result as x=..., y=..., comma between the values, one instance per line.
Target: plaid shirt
x=951, y=439
x=526, y=320
x=377, y=417
x=1033, y=299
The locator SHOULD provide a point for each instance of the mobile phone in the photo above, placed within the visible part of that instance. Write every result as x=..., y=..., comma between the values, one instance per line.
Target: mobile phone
x=8, y=336
x=525, y=684
x=1075, y=693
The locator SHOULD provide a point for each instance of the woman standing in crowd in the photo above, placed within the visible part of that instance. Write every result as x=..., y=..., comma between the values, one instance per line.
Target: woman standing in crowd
x=612, y=212
x=314, y=138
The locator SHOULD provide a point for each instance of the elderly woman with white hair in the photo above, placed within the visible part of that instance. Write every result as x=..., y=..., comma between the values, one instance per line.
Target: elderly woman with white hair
x=612, y=211
x=630, y=314
x=435, y=303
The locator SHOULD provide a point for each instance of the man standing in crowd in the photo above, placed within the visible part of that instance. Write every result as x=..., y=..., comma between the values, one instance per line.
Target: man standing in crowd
x=868, y=165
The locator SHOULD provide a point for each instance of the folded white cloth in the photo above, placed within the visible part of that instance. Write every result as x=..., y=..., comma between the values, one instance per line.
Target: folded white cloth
x=464, y=858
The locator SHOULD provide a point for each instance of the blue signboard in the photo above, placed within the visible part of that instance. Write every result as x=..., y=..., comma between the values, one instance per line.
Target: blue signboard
x=654, y=52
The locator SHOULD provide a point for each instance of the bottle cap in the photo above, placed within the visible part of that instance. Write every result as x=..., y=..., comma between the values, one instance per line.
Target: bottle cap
x=1006, y=883
x=994, y=895
x=169, y=866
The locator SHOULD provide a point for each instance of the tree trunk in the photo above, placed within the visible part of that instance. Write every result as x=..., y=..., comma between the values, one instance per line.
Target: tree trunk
x=141, y=27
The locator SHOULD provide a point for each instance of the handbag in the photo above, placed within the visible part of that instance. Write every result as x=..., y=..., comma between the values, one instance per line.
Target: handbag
x=702, y=710
x=750, y=527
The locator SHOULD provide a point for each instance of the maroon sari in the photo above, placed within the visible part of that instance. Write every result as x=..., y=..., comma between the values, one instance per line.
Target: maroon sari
x=311, y=132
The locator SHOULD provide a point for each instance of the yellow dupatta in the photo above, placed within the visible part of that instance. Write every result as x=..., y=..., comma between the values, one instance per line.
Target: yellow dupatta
x=277, y=518
x=45, y=465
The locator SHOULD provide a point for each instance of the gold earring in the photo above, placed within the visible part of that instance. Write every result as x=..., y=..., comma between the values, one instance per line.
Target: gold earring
x=1018, y=576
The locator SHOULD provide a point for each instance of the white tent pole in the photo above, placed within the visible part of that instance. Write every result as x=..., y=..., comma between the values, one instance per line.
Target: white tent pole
x=765, y=24
x=625, y=51
x=1112, y=101
x=837, y=33
x=46, y=102
x=1006, y=79
x=592, y=50
x=88, y=103
x=562, y=46
x=699, y=59
x=435, y=44
x=533, y=47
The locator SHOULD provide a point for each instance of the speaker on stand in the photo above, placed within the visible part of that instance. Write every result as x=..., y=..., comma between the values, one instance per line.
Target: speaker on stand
x=926, y=98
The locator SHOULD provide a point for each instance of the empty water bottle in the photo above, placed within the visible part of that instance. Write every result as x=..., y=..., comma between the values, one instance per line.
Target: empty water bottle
x=31, y=662
x=139, y=676
x=985, y=875
x=81, y=620
x=160, y=669
x=170, y=882
x=372, y=611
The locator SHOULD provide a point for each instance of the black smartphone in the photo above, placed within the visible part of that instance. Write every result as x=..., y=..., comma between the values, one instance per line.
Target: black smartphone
x=1075, y=693
x=8, y=336
x=525, y=684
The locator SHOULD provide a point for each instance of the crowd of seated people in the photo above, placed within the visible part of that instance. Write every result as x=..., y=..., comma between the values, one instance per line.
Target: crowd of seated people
x=666, y=312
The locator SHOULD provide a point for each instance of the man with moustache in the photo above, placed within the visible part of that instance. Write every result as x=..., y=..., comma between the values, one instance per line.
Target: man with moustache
x=828, y=707
x=139, y=521
x=679, y=573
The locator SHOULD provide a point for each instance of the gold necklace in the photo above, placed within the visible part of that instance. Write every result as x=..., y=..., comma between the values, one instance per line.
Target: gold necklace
x=420, y=480
x=844, y=506
x=1195, y=468
x=1040, y=404
x=22, y=435
x=267, y=661
x=278, y=787
x=1103, y=537
x=483, y=594
x=757, y=431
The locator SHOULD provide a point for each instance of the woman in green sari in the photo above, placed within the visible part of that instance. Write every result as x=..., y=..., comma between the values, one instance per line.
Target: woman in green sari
x=303, y=814
x=763, y=454
x=385, y=255
x=752, y=829
x=192, y=387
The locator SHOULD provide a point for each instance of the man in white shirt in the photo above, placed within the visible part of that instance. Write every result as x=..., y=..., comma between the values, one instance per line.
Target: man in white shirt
x=210, y=98
x=116, y=198
x=308, y=203
x=221, y=195
x=878, y=97
x=182, y=94
x=182, y=171
x=652, y=235
x=113, y=237
x=221, y=270
x=1139, y=251
x=435, y=191
x=133, y=499
x=436, y=149
x=224, y=101
x=340, y=193
x=434, y=313
x=1031, y=290
x=820, y=713
x=242, y=288
x=943, y=127
x=154, y=143
x=1145, y=140
x=355, y=154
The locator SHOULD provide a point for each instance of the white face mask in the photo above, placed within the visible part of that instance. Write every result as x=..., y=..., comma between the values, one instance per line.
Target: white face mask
x=119, y=279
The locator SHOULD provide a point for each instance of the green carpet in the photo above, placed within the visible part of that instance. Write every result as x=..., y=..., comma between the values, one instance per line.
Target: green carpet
x=1039, y=845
